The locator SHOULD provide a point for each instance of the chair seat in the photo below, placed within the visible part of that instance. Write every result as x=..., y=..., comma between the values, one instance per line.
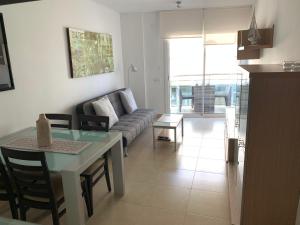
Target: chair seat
x=56, y=181
x=94, y=168
x=3, y=189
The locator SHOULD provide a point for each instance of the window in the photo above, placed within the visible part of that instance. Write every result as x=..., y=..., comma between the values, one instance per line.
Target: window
x=186, y=56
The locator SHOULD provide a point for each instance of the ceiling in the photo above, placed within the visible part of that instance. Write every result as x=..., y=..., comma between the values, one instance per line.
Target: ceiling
x=159, y=5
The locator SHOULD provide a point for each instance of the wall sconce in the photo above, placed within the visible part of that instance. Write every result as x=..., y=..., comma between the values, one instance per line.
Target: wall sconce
x=132, y=69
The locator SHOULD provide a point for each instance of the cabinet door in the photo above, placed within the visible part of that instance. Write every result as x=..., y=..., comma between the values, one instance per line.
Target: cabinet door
x=271, y=183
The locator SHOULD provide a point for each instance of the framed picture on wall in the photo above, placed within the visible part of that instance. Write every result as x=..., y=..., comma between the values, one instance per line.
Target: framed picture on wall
x=6, y=78
x=90, y=53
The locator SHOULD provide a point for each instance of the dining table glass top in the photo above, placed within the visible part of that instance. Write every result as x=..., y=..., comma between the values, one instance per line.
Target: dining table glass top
x=99, y=143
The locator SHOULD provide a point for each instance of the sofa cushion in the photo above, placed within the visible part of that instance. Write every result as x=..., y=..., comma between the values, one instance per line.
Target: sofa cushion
x=87, y=108
x=148, y=114
x=103, y=107
x=128, y=101
x=131, y=125
x=128, y=132
x=116, y=102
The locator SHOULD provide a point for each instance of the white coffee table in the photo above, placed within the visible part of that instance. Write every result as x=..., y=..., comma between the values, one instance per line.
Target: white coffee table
x=171, y=122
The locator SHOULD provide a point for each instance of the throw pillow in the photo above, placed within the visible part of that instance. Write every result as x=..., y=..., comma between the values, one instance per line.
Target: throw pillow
x=128, y=101
x=103, y=107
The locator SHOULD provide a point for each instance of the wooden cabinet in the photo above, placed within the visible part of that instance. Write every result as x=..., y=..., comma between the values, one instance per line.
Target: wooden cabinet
x=264, y=186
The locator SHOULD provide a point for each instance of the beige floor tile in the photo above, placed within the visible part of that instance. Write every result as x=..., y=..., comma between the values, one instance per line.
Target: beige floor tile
x=214, y=135
x=145, y=173
x=211, y=204
x=188, y=150
x=191, y=142
x=202, y=220
x=211, y=166
x=210, y=182
x=163, y=154
x=176, y=178
x=212, y=153
x=212, y=143
x=154, y=216
x=119, y=213
x=167, y=146
x=180, y=162
x=193, y=134
x=170, y=198
x=138, y=193
x=144, y=160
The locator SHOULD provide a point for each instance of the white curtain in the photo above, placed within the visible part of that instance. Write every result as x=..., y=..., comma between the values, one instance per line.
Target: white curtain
x=181, y=23
x=219, y=26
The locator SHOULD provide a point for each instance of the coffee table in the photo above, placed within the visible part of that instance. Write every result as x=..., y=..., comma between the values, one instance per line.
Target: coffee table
x=171, y=122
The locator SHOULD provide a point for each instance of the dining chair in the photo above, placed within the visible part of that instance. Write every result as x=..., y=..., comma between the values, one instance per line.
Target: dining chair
x=183, y=97
x=36, y=187
x=7, y=191
x=204, y=98
x=98, y=169
x=63, y=120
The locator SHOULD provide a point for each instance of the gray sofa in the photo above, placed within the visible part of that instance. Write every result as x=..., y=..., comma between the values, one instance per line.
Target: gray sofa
x=131, y=125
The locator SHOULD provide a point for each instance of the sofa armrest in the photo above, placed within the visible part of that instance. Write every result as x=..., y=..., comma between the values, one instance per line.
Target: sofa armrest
x=93, y=122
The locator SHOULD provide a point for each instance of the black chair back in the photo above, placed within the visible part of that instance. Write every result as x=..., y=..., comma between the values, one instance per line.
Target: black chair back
x=96, y=123
x=65, y=119
x=7, y=190
x=34, y=188
x=5, y=184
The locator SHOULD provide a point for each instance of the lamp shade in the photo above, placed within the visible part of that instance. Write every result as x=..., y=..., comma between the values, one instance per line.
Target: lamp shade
x=133, y=68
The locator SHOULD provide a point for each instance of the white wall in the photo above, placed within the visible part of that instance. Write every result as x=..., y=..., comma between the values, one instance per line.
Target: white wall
x=142, y=47
x=40, y=64
x=133, y=53
x=285, y=15
x=154, y=62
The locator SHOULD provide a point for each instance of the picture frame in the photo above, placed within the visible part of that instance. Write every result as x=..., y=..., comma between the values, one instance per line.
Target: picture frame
x=6, y=77
x=90, y=53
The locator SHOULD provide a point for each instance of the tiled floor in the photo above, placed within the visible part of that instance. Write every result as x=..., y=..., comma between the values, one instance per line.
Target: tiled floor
x=187, y=187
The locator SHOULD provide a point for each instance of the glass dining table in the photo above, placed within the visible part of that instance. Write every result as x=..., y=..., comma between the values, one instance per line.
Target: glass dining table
x=70, y=166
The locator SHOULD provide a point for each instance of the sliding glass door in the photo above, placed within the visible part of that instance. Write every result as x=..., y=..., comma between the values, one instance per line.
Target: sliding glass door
x=202, y=78
x=185, y=72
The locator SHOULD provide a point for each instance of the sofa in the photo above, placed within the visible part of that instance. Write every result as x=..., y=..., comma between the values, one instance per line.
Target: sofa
x=131, y=125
